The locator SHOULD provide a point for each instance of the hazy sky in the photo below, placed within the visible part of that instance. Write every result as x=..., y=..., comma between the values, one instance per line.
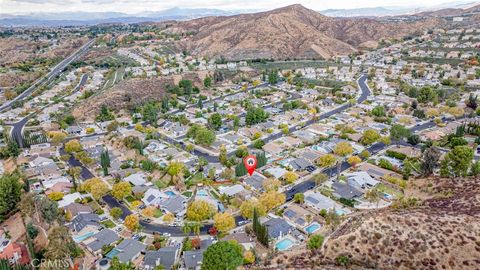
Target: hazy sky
x=138, y=6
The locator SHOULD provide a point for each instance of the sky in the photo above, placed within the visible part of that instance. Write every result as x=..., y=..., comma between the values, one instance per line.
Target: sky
x=139, y=6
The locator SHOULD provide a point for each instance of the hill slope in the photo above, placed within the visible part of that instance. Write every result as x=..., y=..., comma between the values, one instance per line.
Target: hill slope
x=289, y=32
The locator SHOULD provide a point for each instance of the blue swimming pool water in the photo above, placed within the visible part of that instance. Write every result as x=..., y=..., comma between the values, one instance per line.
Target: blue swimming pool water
x=202, y=193
x=112, y=253
x=340, y=212
x=170, y=193
x=284, y=244
x=312, y=228
x=83, y=237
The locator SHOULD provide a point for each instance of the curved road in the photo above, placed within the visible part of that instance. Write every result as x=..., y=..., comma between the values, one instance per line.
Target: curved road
x=304, y=186
x=16, y=133
x=49, y=76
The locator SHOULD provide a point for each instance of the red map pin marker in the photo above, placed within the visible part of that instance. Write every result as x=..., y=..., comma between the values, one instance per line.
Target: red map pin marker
x=250, y=163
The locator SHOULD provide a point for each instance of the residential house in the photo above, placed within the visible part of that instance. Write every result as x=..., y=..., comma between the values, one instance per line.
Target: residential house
x=136, y=179
x=361, y=180
x=127, y=251
x=153, y=196
x=77, y=208
x=342, y=190
x=255, y=181
x=166, y=256
x=104, y=237
x=319, y=201
x=83, y=223
x=277, y=228
x=175, y=205
x=241, y=238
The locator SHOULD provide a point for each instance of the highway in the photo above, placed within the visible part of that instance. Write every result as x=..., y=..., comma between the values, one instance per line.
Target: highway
x=49, y=76
x=16, y=133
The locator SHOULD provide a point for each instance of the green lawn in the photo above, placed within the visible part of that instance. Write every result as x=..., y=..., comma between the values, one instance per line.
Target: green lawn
x=197, y=178
x=108, y=223
x=158, y=213
x=187, y=194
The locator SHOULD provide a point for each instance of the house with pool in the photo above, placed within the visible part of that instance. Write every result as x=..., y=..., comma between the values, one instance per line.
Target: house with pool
x=83, y=226
x=280, y=233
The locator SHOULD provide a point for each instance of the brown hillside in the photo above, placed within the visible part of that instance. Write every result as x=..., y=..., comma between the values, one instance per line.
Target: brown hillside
x=442, y=233
x=290, y=32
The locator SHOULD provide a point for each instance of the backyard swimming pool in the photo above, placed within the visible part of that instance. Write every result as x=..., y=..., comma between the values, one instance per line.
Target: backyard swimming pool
x=312, y=228
x=82, y=237
x=284, y=244
x=170, y=193
x=340, y=212
x=202, y=193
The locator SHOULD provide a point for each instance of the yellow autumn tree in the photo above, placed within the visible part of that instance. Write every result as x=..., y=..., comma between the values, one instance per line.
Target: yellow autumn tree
x=271, y=199
x=246, y=208
x=95, y=186
x=290, y=177
x=132, y=222
x=148, y=211
x=271, y=184
x=224, y=222
x=121, y=190
x=73, y=146
x=327, y=161
x=168, y=218
x=199, y=210
x=354, y=160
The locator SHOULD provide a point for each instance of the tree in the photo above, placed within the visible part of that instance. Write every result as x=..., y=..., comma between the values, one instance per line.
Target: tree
x=116, y=212
x=223, y=157
x=272, y=199
x=249, y=257
x=10, y=150
x=319, y=178
x=258, y=144
x=95, y=186
x=222, y=255
x=457, y=162
x=255, y=115
x=10, y=191
x=60, y=244
x=370, y=136
x=354, y=160
x=121, y=190
x=175, y=169
x=132, y=222
x=290, y=177
x=472, y=102
x=168, y=218
x=247, y=207
x=271, y=184
x=73, y=146
x=373, y=196
x=379, y=111
x=315, y=241
x=105, y=161
x=299, y=198
x=48, y=209
x=426, y=94
x=215, y=121
x=27, y=204
x=199, y=210
x=430, y=160
x=207, y=82
x=74, y=172
x=149, y=211
x=55, y=196
x=343, y=149
x=117, y=265
x=224, y=222
x=327, y=161
x=57, y=136
x=398, y=132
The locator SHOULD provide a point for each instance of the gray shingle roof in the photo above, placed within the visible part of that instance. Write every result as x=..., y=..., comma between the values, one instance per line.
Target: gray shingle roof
x=277, y=227
x=174, y=204
x=128, y=249
x=104, y=237
x=83, y=220
x=346, y=191
x=193, y=258
x=165, y=256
